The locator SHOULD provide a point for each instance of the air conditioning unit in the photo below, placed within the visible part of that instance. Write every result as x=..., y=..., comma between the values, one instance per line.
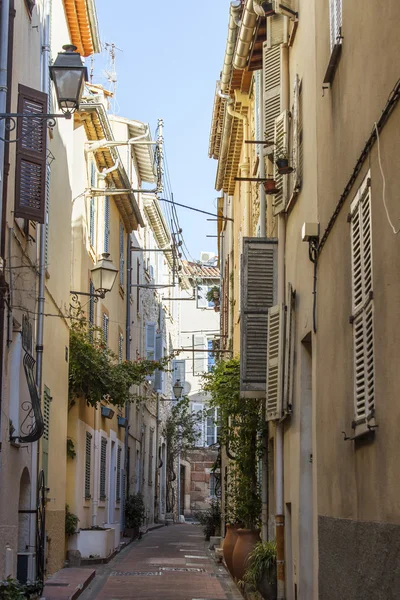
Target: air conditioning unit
x=207, y=256
x=276, y=7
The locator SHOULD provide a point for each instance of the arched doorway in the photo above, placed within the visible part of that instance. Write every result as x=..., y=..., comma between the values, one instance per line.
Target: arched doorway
x=24, y=548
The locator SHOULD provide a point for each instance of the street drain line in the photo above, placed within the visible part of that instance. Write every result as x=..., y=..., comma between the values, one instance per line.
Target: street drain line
x=134, y=573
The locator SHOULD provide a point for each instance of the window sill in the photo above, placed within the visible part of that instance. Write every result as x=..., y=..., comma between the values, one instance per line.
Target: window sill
x=332, y=65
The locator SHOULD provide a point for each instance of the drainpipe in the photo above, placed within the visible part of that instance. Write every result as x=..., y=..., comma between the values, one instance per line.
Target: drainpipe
x=5, y=15
x=247, y=27
x=234, y=14
x=244, y=169
x=128, y=357
x=279, y=431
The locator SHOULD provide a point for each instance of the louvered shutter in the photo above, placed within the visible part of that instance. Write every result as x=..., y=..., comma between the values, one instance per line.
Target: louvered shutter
x=335, y=18
x=30, y=176
x=150, y=341
x=289, y=351
x=297, y=137
x=197, y=409
x=286, y=7
x=120, y=347
x=103, y=465
x=258, y=294
x=88, y=464
x=362, y=306
x=121, y=254
x=257, y=94
x=159, y=352
x=198, y=357
x=106, y=224
x=281, y=145
x=105, y=328
x=272, y=71
x=276, y=31
x=46, y=431
x=118, y=478
x=275, y=362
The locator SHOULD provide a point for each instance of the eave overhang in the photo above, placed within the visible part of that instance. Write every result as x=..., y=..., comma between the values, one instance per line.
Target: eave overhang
x=143, y=153
x=83, y=26
x=97, y=127
x=158, y=225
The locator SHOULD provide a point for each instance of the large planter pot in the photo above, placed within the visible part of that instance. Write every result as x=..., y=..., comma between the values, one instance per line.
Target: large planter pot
x=247, y=539
x=229, y=545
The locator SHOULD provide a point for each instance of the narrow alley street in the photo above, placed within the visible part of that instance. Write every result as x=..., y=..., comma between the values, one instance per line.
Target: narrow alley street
x=170, y=563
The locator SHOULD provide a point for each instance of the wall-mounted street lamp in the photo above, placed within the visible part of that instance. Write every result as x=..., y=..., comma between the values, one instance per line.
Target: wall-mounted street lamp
x=68, y=75
x=177, y=388
x=104, y=274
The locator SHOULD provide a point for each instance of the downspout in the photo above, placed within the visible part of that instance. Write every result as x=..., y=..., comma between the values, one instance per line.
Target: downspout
x=247, y=27
x=244, y=169
x=6, y=61
x=128, y=357
x=279, y=432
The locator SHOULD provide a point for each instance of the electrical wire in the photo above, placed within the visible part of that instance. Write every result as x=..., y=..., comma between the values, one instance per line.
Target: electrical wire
x=384, y=182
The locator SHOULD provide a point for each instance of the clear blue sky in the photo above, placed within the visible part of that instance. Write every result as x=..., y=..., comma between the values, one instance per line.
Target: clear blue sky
x=172, y=55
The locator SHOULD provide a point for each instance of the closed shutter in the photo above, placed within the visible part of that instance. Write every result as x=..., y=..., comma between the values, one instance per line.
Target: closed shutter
x=91, y=222
x=30, y=176
x=118, y=478
x=88, y=464
x=106, y=224
x=258, y=294
x=46, y=430
x=297, y=136
x=151, y=345
x=202, y=301
x=257, y=98
x=197, y=409
x=275, y=362
x=286, y=7
x=362, y=306
x=198, y=342
x=121, y=254
x=335, y=18
x=103, y=465
x=272, y=70
x=151, y=457
x=289, y=351
x=47, y=217
x=281, y=145
x=106, y=321
x=120, y=347
x=276, y=31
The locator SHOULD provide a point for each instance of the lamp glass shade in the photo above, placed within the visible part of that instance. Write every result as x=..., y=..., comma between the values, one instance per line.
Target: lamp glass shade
x=177, y=389
x=104, y=274
x=68, y=75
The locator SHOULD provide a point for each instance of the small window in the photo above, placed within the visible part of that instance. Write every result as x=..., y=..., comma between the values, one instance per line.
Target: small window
x=103, y=464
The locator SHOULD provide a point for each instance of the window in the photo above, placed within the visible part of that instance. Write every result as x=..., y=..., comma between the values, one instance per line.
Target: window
x=151, y=457
x=91, y=310
x=106, y=224
x=210, y=356
x=103, y=464
x=92, y=206
x=88, y=460
x=118, y=494
x=212, y=485
x=212, y=427
x=120, y=347
x=121, y=254
x=106, y=321
x=362, y=308
x=202, y=301
x=335, y=18
x=197, y=408
x=198, y=343
x=178, y=370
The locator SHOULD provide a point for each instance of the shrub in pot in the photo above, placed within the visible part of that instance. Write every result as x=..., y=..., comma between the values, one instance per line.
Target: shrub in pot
x=134, y=514
x=261, y=570
x=210, y=519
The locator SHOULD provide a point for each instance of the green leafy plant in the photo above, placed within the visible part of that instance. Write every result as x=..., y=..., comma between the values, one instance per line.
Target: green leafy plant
x=181, y=432
x=240, y=426
x=261, y=565
x=95, y=373
x=71, y=522
x=213, y=294
x=135, y=512
x=210, y=519
x=12, y=589
x=70, y=448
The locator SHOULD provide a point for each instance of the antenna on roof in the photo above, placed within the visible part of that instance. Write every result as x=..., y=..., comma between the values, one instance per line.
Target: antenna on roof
x=110, y=71
x=91, y=69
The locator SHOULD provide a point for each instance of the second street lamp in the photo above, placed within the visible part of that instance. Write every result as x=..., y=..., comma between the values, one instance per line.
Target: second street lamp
x=104, y=274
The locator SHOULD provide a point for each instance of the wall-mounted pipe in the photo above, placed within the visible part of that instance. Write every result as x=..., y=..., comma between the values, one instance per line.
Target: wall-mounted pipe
x=246, y=33
x=234, y=14
x=244, y=168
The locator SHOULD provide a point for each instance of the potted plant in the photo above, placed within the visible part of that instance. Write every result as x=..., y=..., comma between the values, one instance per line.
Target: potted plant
x=134, y=515
x=270, y=187
x=210, y=519
x=283, y=167
x=213, y=295
x=263, y=9
x=261, y=570
x=71, y=522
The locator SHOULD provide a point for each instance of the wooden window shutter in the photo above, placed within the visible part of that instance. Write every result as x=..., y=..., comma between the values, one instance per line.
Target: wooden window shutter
x=198, y=342
x=289, y=351
x=275, y=358
x=258, y=294
x=30, y=177
x=88, y=464
x=272, y=71
x=363, y=309
x=286, y=7
x=106, y=223
x=103, y=465
x=257, y=98
x=121, y=254
x=335, y=18
x=118, y=478
x=281, y=149
x=277, y=31
x=158, y=380
x=297, y=137
x=45, y=439
x=105, y=328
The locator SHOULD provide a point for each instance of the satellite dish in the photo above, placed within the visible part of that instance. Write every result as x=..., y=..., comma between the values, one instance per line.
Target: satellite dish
x=186, y=388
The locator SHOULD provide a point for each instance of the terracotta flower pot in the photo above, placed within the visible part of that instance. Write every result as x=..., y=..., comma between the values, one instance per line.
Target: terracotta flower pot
x=247, y=539
x=283, y=166
x=229, y=545
x=270, y=187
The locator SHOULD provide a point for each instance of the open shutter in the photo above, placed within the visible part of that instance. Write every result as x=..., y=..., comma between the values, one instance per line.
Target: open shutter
x=121, y=254
x=277, y=31
x=88, y=464
x=30, y=177
x=258, y=294
x=286, y=7
x=335, y=18
x=103, y=465
x=150, y=341
x=45, y=439
x=281, y=150
x=118, y=478
x=257, y=97
x=275, y=362
x=272, y=70
x=106, y=224
x=197, y=409
x=297, y=137
x=199, y=357
x=289, y=351
x=362, y=305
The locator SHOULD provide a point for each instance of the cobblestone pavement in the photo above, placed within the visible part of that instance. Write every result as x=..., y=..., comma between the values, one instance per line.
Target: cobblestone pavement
x=171, y=563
